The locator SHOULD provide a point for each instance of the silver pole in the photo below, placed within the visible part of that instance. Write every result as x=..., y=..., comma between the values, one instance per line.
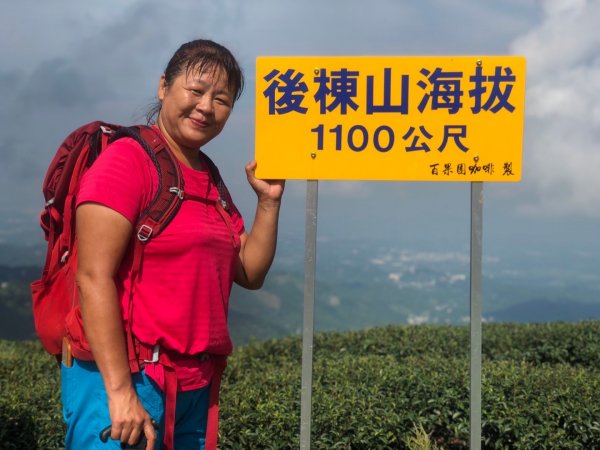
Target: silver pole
x=310, y=257
x=475, y=294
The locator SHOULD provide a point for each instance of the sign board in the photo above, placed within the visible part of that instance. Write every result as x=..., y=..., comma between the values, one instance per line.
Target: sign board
x=415, y=118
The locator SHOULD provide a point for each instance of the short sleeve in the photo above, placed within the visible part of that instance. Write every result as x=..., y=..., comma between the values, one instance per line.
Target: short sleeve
x=122, y=178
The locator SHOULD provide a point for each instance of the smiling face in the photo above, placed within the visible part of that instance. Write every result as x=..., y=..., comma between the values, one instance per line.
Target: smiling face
x=195, y=108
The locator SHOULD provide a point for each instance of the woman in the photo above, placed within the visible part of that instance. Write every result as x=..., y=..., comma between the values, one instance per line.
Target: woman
x=182, y=294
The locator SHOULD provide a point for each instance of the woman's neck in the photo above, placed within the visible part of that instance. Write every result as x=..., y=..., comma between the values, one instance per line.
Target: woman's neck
x=189, y=157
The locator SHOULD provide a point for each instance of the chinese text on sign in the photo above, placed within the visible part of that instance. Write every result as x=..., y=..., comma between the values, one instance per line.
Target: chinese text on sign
x=390, y=118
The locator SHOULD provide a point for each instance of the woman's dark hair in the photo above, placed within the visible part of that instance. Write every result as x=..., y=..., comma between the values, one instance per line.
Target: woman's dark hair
x=200, y=55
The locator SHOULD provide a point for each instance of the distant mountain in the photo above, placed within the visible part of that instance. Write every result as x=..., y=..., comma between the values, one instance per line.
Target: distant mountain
x=362, y=284
x=541, y=310
x=16, y=320
x=15, y=254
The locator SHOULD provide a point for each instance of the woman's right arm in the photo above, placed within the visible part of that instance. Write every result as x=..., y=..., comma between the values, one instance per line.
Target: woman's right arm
x=103, y=236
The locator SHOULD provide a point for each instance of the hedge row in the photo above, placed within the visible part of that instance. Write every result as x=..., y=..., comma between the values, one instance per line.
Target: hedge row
x=576, y=344
x=371, y=387
x=30, y=412
x=541, y=390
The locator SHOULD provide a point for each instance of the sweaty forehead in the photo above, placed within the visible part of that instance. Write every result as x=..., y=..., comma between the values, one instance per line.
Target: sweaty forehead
x=214, y=75
x=204, y=70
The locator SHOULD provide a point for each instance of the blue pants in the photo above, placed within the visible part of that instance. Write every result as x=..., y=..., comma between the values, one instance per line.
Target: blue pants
x=85, y=409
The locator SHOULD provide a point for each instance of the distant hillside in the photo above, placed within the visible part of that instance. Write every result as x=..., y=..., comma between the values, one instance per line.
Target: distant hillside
x=16, y=320
x=17, y=254
x=277, y=309
x=361, y=284
x=542, y=310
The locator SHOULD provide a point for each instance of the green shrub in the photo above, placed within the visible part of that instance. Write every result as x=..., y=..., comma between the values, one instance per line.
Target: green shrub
x=419, y=440
x=540, y=407
x=30, y=412
x=541, y=390
x=370, y=387
x=576, y=344
x=369, y=402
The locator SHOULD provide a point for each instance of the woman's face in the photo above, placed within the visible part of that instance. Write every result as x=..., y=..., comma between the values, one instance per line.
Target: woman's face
x=195, y=107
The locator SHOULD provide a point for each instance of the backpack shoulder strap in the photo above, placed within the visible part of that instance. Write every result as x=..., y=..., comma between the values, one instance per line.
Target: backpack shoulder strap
x=213, y=170
x=167, y=201
x=157, y=215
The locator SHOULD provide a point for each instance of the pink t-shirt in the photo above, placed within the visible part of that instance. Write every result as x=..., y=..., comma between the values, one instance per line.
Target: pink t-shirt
x=181, y=297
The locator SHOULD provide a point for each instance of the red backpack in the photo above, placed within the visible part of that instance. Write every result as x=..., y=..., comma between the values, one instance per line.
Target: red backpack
x=55, y=296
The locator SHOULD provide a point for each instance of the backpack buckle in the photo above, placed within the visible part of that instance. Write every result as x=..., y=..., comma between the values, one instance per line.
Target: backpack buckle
x=155, y=352
x=144, y=233
x=178, y=192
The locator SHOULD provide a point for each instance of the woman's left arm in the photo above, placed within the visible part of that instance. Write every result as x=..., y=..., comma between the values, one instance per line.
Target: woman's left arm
x=258, y=247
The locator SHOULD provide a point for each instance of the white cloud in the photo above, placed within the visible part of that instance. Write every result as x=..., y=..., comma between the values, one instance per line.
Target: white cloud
x=418, y=319
x=561, y=157
x=456, y=278
x=106, y=59
x=334, y=301
x=395, y=277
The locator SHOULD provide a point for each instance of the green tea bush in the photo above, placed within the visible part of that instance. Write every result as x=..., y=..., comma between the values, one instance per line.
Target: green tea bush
x=371, y=389
x=574, y=344
x=543, y=407
x=30, y=412
x=540, y=385
x=373, y=402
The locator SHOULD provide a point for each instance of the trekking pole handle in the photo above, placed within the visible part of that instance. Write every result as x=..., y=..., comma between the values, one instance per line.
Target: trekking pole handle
x=141, y=442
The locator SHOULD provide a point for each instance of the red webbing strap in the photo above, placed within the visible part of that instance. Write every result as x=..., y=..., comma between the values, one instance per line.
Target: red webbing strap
x=65, y=223
x=54, y=219
x=170, y=392
x=157, y=215
x=106, y=136
x=151, y=223
x=67, y=233
x=69, y=205
x=198, y=198
x=145, y=354
x=212, y=425
x=132, y=353
x=217, y=180
x=227, y=219
x=166, y=202
x=138, y=353
x=170, y=400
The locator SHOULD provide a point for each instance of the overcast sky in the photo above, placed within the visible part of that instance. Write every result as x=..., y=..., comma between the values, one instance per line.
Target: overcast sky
x=66, y=62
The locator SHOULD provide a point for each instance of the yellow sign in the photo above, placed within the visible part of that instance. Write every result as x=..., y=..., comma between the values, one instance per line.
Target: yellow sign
x=390, y=118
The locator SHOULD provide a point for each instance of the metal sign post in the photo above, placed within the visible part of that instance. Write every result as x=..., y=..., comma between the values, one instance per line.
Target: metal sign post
x=310, y=259
x=475, y=294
